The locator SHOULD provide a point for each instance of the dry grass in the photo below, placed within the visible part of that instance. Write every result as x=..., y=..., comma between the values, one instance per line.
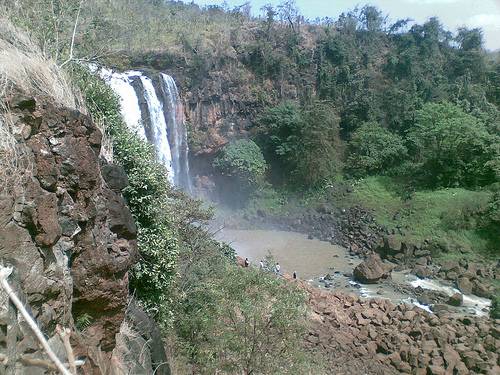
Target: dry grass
x=9, y=158
x=23, y=67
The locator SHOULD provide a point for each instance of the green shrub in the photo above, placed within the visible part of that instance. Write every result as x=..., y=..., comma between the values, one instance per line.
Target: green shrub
x=374, y=149
x=243, y=160
x=241, y=320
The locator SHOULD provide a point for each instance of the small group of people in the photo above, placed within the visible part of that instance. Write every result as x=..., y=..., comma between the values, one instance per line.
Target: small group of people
x=276, y=269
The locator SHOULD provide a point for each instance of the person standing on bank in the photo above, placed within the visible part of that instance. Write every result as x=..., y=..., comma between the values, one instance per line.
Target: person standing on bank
x=247, y=262
x=277, y=268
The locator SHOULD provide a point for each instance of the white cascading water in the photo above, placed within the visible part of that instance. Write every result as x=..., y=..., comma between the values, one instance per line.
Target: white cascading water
x=164, y=120
x=174, y=117
x=121, y=85
x=158, y=126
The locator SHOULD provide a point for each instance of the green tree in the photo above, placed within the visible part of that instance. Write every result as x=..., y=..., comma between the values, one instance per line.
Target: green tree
x=242, y=167
x=303, y=143
x=319, y=147
x=374, y=149
x=243, y=160
x=452, y=148
x=279, y=134
x=241, y=321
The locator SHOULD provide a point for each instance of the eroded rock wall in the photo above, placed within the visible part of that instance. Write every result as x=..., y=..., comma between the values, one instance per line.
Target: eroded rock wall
x=66, y=231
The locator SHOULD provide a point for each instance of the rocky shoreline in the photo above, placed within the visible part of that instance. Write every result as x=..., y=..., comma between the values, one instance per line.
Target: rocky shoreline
x=375, y=336
x=378, y=337
x=356, y=229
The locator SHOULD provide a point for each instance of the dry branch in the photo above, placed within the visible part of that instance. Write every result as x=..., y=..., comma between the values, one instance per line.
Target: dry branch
x=65, y=335
x=4, y=274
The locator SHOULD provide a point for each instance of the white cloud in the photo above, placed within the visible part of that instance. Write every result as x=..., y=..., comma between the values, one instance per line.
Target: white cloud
x=484, y=20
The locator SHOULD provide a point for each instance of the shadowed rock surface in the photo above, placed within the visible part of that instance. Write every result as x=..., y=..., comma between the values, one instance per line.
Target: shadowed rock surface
x=69, y=237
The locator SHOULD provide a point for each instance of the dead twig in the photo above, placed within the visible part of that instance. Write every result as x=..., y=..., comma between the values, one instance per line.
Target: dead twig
x=70, y=57
x=65, y=335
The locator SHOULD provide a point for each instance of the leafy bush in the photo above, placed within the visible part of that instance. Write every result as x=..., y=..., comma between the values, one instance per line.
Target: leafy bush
x=452, y=148
x=240, y=320
x=302, y=143
x=279, y=129
x=243, y=160
x=374, y=149
x=319, y=147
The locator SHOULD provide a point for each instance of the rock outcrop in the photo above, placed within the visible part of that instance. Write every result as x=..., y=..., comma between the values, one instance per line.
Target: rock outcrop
x=66, y=231
x=371, y=270
x=377, y=337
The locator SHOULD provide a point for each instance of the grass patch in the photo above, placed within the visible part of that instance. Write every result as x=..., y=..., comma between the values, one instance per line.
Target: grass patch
x=449, y=217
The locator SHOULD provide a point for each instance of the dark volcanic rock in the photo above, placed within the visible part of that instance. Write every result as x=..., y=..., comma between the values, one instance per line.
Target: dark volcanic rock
x=68, y=235
x=376, y=336
x=115, y=177
x=371, y=270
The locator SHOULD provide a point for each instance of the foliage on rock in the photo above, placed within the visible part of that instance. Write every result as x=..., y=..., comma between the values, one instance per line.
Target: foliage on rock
x=243, y=160
x=148, y=196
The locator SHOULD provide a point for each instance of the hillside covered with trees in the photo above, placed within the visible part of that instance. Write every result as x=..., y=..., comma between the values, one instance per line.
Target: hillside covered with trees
x=287, y=118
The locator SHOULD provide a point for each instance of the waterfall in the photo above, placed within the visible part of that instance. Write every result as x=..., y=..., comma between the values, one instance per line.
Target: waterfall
x=176, y=125
x=129, y=105
x=158, y=126
x=159, y=119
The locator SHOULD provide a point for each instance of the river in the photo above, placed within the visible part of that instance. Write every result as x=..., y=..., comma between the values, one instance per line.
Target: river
x=330, y=266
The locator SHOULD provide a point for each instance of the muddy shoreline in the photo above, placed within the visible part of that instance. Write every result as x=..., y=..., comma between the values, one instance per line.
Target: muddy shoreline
x=331, y=267
x=356, y=230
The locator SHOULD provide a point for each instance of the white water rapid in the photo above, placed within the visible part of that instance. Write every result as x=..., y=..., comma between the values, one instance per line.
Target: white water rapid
x=176, y=125
x=121, y=83
x=474, y=304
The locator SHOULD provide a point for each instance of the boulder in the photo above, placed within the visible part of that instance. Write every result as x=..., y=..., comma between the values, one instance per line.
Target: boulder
x=393, y=244
x=115, y=177
x=464, y=285
x=481, y=290
x=422, y=271
x=456, y=299
x=449, y=265
x=371, y=270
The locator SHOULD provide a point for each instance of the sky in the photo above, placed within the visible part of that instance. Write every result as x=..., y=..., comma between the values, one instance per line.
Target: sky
x=452, y=13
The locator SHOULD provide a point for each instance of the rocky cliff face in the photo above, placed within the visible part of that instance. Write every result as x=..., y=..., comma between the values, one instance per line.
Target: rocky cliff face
x=67, y=232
